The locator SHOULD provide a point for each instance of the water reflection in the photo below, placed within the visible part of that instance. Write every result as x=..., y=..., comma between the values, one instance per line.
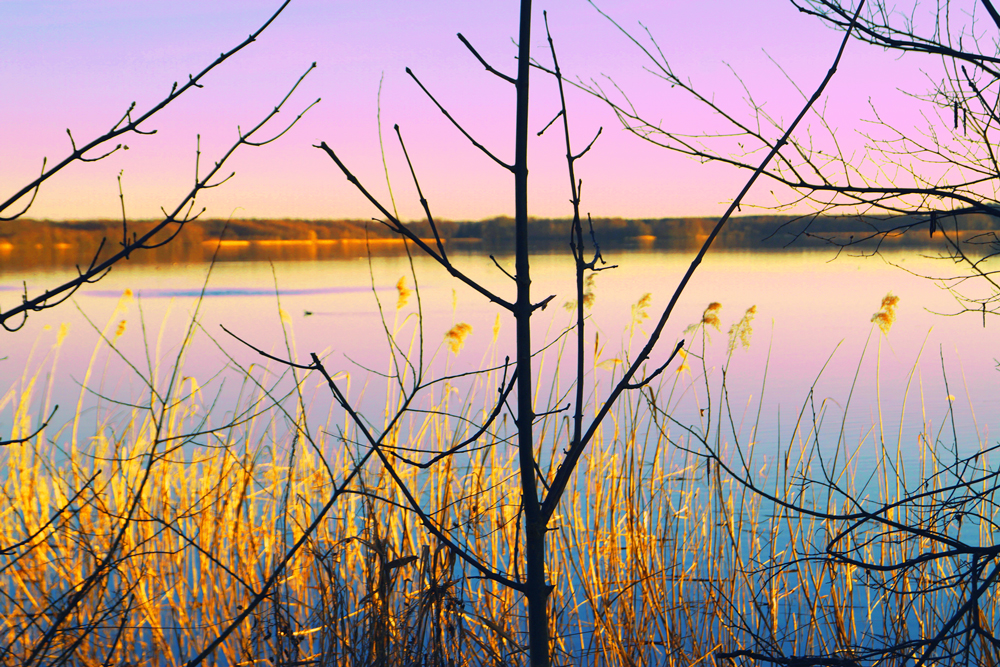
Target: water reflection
x=818, y=374
x=814, y=345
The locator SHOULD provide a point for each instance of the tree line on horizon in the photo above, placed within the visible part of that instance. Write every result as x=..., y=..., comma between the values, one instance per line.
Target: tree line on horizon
x=41, y=243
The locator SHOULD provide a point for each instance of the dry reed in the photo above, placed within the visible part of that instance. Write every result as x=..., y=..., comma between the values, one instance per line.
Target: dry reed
x=165, y=525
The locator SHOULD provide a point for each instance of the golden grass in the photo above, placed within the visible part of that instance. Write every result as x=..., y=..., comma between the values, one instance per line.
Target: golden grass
x=171, y=524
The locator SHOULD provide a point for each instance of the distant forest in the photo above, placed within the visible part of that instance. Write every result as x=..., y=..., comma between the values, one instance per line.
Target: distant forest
x=37, y=243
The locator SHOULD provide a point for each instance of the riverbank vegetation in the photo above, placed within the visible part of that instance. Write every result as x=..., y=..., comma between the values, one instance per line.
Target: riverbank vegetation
x=27, y=244
x=146, y=524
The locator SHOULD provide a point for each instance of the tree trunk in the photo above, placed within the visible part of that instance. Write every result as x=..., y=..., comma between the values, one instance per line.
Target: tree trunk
x=534, y=524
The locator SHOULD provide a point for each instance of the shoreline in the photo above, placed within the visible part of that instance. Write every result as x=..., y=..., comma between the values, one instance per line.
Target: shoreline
x=29, y=244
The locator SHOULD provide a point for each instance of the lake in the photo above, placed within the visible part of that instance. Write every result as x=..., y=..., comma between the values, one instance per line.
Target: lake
x=811, y=311
x=814, y=351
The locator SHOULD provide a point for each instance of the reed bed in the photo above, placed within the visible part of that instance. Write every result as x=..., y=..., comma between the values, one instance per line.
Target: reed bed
x=143, y=539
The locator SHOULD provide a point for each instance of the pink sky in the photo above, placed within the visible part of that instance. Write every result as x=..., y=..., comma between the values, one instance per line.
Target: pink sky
x=77, y=64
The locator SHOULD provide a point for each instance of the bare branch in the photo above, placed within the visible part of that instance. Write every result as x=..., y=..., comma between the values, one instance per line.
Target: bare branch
x=38, y=430
x=402, y=230
x=461, y=129
x=561, y=480
x=485, y=64
x=98, y=269
x=126, y=124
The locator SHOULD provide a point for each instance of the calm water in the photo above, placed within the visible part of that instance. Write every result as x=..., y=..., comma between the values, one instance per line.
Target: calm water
x=813, y=350
x=811, y=312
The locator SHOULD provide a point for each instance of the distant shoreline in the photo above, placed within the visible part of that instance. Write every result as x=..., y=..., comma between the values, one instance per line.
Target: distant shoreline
x=26, y=243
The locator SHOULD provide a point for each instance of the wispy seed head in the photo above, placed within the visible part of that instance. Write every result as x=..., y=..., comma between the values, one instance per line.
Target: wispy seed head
x=711, y=315
x=742, y=330
x=125, y=300
x=639, y=314
x=684, y=364
x=63, y=332
x=886, y=315
x=456, y=336
x=404, y=293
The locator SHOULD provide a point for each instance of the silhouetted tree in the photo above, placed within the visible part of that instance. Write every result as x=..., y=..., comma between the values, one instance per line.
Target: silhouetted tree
x=134, y=122
x=543, y=481
x=932, y=544
x=941, y=179
x=53, y=631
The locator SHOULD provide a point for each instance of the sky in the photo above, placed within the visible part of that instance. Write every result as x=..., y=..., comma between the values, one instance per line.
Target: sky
x=78, y=64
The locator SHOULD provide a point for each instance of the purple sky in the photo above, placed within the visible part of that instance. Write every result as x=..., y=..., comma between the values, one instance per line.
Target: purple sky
x=78, y=64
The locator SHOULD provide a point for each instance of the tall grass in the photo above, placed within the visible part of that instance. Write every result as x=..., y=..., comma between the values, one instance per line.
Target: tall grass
x=140, y=540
